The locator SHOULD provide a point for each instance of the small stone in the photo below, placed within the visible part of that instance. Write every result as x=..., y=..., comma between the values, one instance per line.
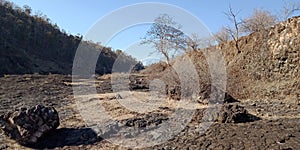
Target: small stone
x=128, y=135
x=38, y=134
x=40, y=122
x=33, y=139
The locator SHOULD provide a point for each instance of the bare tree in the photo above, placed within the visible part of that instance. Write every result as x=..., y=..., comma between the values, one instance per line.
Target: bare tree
x=289, y=9
x=207, y=41
x=233, y=32
x=165, y=36
x=195, y=42
x=260, y=20
x=192, y=42
x=222, y=36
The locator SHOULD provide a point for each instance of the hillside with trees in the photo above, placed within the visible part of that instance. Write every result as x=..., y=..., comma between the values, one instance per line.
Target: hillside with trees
x=257, y=49
x=30, y=43
x=238, y=89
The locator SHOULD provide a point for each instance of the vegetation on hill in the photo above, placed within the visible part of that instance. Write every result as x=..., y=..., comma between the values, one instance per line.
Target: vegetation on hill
x=266, y=65
x=32, y=44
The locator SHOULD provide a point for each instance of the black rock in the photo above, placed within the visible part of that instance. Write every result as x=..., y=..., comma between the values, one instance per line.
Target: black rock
x=28, y=125
x=233, y=113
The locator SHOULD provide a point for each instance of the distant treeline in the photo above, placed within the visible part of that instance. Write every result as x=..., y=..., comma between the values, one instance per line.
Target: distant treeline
x=32, y=44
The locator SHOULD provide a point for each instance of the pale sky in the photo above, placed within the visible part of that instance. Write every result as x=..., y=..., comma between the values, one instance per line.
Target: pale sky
x=81, y=16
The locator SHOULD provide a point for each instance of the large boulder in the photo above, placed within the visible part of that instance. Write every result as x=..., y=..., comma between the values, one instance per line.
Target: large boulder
x=225, y=113
x=28, y=125
x=233, y=113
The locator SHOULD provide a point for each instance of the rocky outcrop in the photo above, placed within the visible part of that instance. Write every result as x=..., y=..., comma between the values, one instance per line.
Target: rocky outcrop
x=226, y=113
x=145, y=121
x=233, y=113
x=268, y=65
x=28, y=125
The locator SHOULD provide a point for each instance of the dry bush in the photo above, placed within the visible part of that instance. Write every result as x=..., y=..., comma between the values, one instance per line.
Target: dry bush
x=289, y=9
x=260, y=20
x=222, y=36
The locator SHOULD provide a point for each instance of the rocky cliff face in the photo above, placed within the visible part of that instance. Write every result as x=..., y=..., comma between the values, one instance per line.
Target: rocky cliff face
x=268, y=65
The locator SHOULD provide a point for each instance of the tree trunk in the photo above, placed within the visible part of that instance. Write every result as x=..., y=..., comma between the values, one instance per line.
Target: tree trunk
x=167, y=59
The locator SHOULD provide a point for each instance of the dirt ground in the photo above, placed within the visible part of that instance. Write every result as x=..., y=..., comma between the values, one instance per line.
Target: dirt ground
x=278, y=127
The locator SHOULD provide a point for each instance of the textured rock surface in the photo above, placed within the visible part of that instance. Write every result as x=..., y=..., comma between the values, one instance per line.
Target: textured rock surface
x=268, y=65
x=233, y=113
x=145, y=121
x=28, y=125
x=266, y=68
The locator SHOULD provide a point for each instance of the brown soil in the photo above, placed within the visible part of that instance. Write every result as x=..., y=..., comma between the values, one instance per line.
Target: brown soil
x=278, y=128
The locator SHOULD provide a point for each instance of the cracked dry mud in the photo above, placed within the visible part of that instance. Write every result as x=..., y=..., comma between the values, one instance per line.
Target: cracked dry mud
x=278, y=128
